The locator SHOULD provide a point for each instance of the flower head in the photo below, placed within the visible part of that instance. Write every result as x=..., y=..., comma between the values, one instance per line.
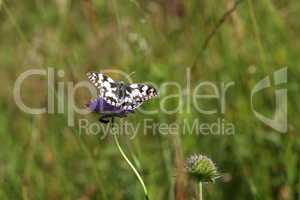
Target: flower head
x=201, y=168
x=99, y=105
x=106, y=110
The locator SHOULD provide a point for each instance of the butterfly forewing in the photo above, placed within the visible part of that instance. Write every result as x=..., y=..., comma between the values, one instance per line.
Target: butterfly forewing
x=108, y=88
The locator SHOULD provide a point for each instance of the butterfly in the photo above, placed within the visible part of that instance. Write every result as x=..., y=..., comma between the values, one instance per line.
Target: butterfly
x=117, y=98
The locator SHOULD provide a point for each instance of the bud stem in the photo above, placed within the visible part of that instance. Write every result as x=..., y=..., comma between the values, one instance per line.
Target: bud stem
x=200, y=191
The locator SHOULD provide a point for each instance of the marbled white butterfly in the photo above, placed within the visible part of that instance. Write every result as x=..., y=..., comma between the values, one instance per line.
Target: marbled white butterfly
x=126, y=97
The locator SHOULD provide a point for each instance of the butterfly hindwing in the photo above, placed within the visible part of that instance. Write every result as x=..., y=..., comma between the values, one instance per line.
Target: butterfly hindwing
x=136, y=94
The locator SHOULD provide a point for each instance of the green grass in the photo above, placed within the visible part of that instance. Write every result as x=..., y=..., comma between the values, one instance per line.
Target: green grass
x=41, y=157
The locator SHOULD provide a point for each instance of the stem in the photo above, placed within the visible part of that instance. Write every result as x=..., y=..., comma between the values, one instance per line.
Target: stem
x=200, y=191
x=130, y=164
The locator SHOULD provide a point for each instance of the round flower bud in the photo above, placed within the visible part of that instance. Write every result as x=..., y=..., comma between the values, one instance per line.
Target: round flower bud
x=201, y=168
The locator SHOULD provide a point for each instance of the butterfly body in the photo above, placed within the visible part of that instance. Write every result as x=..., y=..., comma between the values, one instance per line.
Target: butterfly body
x=118, y=96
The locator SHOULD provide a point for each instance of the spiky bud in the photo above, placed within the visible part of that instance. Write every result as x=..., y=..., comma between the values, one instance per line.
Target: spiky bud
x=201, y=168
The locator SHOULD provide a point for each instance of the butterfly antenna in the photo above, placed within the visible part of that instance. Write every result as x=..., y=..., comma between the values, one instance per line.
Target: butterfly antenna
x=132, y=73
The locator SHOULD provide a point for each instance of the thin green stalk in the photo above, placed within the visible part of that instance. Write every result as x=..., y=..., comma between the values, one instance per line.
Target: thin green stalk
x=14, y=22
x=256, y=32
x=130, y=164
x=200, y=191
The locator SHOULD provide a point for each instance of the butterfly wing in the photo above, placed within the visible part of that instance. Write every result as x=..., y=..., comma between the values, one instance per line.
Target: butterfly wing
x=107, y=86
x=136, y=94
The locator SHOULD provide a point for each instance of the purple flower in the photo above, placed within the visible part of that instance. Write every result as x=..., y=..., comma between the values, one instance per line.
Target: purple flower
x=106, y=110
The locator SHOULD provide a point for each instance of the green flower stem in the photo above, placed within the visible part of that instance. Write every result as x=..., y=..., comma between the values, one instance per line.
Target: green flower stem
x=131, y=165
x=200, y=191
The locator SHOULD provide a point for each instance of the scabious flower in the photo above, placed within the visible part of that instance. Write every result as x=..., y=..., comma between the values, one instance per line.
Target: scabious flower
x=201, y=168
x=106, y=110
x=99, y=105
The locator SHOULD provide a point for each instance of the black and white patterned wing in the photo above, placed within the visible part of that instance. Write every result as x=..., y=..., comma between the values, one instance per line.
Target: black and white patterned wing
x=107, y=86
x=136, y=94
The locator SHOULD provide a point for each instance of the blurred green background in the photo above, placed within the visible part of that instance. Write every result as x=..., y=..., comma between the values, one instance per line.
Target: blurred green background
x=41, y=157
